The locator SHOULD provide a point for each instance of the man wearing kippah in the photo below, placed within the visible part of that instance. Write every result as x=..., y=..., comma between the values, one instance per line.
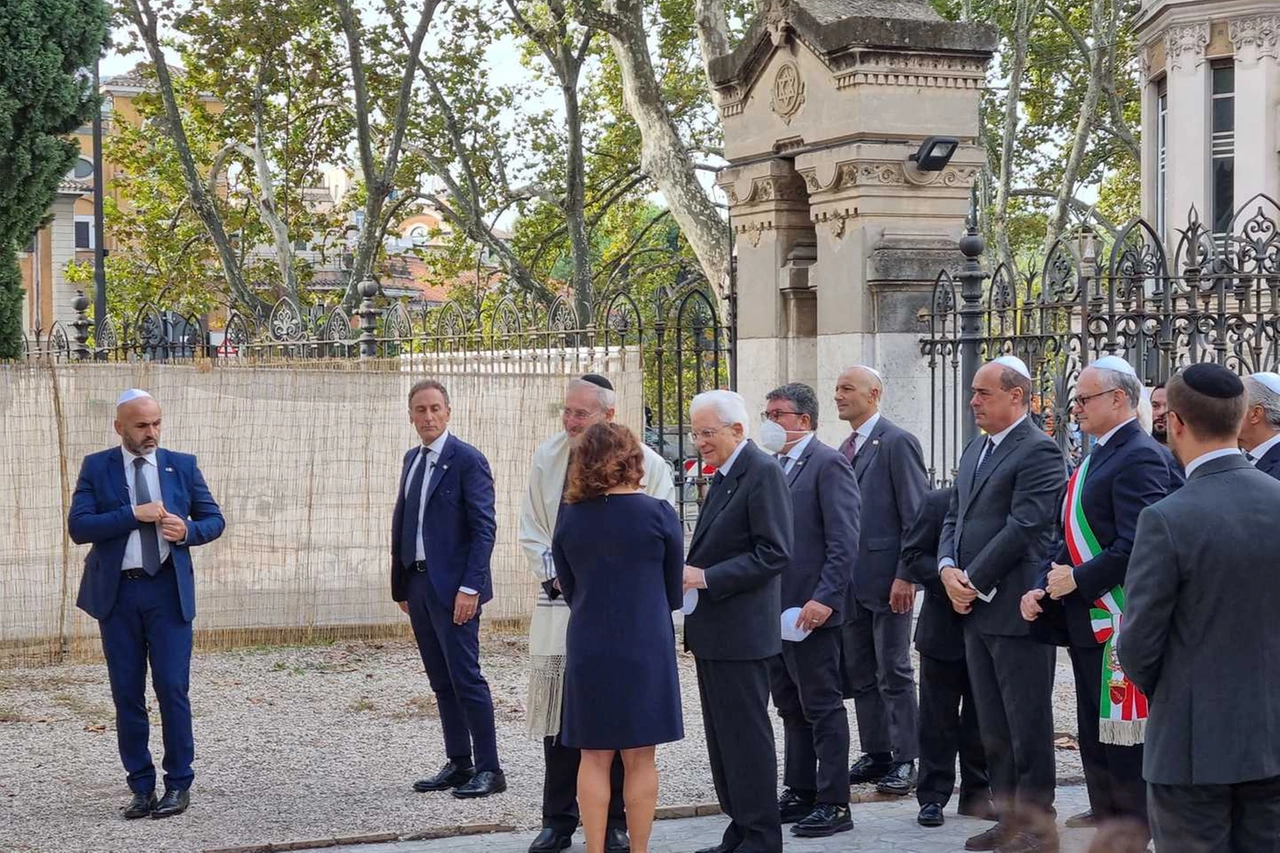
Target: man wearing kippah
x=1079, y=599
x=588, y=400
x=1200, y=635
x=1260, y=429
x=142, y=509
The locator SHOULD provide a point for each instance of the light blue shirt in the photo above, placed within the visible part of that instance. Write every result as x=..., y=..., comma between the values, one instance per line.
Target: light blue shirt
x=1209, y=457
x=133, y=547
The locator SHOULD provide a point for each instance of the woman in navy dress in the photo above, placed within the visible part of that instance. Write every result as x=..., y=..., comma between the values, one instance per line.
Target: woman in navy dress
x=619, y=558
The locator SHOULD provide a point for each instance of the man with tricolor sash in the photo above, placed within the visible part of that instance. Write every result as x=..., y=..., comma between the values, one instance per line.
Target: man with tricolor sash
x=1200, y=634
x=1082, y=592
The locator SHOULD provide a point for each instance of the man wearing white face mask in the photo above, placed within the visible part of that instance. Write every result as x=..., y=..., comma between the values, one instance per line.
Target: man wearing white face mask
x=805, y=679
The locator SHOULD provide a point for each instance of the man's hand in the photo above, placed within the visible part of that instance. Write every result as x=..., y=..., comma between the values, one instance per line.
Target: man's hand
x=902, y=596
x=404, y=606
x=464, y=607
x=959, y=590
x=694, y=578
x=149, y=513
x=173, y=528
x=1030, y=605
x=1061, y=581
x=556, y=583
x=813, y=615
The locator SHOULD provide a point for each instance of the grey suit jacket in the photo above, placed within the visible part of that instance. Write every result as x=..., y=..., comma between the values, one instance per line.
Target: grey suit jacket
x=891, y=474
x=1200, y=635
x=742, y=541
x=826, y=505
x=1001, y=523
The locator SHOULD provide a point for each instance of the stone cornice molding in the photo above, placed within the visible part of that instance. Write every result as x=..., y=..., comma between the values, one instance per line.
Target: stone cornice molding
x=1186, y=43
x=1259, y=31
x=782, y=188
x=883, y=172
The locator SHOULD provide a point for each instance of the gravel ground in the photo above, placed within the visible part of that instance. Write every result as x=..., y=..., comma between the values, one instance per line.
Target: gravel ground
x=297, y=743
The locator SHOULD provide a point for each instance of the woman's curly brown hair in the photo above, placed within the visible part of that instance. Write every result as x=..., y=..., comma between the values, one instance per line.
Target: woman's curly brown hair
x=608, y=456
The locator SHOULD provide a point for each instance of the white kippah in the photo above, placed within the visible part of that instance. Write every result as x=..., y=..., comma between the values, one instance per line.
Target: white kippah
x=1014, y=363
x=870, y=370
x=1116, y=363
x=1268, y=379
x=131, y=395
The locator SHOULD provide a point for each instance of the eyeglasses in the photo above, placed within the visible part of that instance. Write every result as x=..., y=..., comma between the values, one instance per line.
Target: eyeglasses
x=706, y=434
x=578, y=414
x=1081, y=402
x=775, y=415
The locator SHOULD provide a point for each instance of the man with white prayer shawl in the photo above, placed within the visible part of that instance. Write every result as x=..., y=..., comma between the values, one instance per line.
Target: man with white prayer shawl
x=588, y=400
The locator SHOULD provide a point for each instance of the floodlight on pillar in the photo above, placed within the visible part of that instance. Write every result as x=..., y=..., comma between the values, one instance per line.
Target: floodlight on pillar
x=934, y=153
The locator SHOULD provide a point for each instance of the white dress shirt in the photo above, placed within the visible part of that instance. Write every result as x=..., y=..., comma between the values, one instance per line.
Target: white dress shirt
x=133, y=547
x=429, y=456
x=864, y=433
x=1209, y=457
x=1262, y=449
x=728, y=463
x=795, y=452
x=1113, y=431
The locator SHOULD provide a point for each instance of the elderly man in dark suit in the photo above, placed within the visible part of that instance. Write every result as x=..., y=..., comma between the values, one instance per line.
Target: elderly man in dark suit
x=1200, y=634
x=442, y=533
x=1260, y=428
x=948, y=718
x=806, y=676
x=889, y=465
x=740, y=546
x=996, y=536
x=1124, y=474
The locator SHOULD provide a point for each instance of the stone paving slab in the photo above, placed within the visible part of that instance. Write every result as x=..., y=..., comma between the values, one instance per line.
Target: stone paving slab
x=881, y=826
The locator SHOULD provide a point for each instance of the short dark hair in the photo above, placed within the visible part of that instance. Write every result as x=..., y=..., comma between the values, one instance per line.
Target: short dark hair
x=1010, y=379
x=1206, y=416
x=607, y=456
x=426, y=385
x=799, y=395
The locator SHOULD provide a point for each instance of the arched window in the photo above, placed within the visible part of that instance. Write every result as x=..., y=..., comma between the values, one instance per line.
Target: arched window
x=82, y=169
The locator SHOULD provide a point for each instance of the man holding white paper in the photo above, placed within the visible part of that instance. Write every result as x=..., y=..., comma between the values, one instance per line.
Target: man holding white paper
x=997, y=534
x=805, y=679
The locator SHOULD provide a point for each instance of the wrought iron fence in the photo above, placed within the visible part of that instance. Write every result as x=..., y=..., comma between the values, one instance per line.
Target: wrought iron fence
x=1207, y=297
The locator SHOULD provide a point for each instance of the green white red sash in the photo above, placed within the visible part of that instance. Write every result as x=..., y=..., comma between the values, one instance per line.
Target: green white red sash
x=1123, y=707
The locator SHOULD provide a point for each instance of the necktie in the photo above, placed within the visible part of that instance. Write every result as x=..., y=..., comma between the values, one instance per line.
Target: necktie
x=851, y=448
x=148, y=534
x=412, y=508
x=785, y=461
x=988, y=447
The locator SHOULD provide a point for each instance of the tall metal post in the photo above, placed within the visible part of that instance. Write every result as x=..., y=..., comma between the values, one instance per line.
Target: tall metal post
x=99, y=230
x=971, y=277
x=368, y=312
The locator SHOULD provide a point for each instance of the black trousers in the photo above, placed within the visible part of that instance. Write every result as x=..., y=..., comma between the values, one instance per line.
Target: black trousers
x=807, y=692
x=1240, y=818
x=744, y=765
x=1113, y=774
x=1012, y=680
x=877, y=659
x=560, y=789
x=949, y=727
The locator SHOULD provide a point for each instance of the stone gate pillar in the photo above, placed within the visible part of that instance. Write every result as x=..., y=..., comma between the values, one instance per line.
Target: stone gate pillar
x=840, y=94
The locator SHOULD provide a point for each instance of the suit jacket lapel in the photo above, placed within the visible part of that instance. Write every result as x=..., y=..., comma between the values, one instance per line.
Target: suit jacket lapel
x=115, y=475
x=720, y=496
x=1001, y=452
x=796, y=467
x=442, y=465
x=165, y=474
x=1270, y=463
x=862, y=459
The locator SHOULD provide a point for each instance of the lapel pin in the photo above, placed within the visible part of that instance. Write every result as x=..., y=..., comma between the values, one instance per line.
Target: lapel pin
x=169, y=470
x=875, y=442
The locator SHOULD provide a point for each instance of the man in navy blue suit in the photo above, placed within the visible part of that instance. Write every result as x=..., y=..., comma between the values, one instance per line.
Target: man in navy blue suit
x=1080, y=599
x=142, y=509
x=442, y=534
x=1260, y=429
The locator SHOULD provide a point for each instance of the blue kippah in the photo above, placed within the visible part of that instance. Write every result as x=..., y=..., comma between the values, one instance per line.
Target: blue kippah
x=1213, y=380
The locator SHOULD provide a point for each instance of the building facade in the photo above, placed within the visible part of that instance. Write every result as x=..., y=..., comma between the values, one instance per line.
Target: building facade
x=1210, y=111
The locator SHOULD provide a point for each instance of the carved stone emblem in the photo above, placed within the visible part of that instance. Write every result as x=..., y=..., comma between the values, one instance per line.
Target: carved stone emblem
x=788, y=92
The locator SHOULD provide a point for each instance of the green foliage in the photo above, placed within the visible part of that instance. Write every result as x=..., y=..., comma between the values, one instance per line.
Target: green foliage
x=45, y=47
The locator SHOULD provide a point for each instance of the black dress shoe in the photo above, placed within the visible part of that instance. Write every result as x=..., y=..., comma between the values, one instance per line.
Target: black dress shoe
x=450, y=776
x=171, y=804
x=989, y=840
x=140, y=806
x=900, y=779
x=983, y=808
x=616, y=840
x=550, y=841
x=930, y=815
x=1084, y=820
x=483, y=784
x=795, y=805
x=867, y=769
x=825, y=820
